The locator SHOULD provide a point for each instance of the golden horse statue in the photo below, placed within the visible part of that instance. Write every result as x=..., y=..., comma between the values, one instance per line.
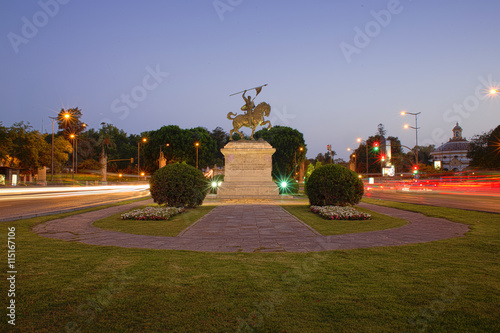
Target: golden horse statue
x=252, y=119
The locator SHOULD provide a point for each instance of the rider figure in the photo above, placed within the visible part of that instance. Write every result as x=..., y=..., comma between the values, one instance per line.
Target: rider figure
x=248, y=107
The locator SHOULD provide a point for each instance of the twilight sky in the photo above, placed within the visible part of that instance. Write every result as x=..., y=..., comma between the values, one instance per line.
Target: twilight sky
x=334, y=69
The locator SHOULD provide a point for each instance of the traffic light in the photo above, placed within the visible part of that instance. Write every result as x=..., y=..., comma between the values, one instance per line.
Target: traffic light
x=328, y=147
x=131, y=160
x=382, y=158
x=415, y=169
x=375, y=146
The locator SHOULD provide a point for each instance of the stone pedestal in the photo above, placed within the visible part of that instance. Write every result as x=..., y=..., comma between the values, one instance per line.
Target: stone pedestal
x=248, y=171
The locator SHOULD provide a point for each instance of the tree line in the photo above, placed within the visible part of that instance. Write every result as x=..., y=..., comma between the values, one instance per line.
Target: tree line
x=21, y=146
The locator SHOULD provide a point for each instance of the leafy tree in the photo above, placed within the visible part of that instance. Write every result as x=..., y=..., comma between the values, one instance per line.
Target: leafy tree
x=424, y=154
x=5, y=143
x=398, y=158
x=207, y=149
x=381, y=130
x=113, y=143
x=397, y=154
x=326, y=158
x=29, y=148
x=106, y=138
x=62, y=149
x=181, y=146
x=376, y=145
x=484, y=150
x=221, y=137
x=287, y=142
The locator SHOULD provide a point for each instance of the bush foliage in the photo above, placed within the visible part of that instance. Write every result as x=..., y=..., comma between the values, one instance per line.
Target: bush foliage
x=178, y=185
x=334, y=185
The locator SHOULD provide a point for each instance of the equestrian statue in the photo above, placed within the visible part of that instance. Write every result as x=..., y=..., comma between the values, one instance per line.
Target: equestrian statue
x=253, y=116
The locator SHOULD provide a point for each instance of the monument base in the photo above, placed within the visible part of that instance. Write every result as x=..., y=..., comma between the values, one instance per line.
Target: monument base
x=248, y=171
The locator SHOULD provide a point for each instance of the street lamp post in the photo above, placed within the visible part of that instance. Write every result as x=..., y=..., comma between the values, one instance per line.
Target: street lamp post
x=52, y=158
x=139, y=157
x=72, y=137
x=66, y=117
x=301, y=149
x=197, y=144
x=416, y=131
x=76, y=154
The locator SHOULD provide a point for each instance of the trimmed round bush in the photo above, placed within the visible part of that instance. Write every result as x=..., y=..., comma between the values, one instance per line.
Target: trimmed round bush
x=334, y=185
x=178, y=185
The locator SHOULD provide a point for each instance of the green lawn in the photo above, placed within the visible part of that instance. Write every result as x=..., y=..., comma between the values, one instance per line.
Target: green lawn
x=444, y=286
x=329, y=227
x=170, y=227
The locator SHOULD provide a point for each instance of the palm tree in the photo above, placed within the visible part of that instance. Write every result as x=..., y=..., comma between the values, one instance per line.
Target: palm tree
x=105, y=139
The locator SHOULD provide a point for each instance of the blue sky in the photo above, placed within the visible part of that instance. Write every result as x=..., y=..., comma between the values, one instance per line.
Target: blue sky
x=334, y=69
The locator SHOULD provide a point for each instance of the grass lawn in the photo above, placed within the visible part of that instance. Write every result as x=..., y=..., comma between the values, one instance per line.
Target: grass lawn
x=444, y=286
x=171, y=227
x=329, y=227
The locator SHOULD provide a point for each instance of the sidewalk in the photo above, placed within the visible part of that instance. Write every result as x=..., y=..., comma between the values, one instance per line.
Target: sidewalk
x=251, y=228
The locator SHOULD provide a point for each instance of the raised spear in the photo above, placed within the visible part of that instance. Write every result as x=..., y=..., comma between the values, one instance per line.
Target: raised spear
x=239, y=92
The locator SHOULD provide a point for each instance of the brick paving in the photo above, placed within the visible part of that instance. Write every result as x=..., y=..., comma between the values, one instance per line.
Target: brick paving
x=251, y=228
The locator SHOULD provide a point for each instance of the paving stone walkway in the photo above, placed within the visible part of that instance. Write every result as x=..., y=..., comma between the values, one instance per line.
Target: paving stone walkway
x=251, y=228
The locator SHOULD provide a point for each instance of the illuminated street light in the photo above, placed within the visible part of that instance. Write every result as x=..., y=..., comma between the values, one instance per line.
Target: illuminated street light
x=416, y=131
x=494, y=91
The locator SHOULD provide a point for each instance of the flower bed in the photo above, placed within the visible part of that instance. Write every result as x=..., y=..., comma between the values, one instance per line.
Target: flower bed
x=152, y=213
x=340, y=213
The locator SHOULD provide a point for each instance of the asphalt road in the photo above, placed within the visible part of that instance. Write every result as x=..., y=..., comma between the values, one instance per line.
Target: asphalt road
x=17, y=203
x=479, y=202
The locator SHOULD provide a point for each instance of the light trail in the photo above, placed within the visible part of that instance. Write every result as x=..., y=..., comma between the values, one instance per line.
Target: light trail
x=66, y=191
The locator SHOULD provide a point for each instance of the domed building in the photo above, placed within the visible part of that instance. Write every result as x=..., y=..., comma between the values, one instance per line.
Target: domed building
x=452, y=156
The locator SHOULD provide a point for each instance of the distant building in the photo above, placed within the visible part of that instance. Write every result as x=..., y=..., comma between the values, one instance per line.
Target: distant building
x=452, y=156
